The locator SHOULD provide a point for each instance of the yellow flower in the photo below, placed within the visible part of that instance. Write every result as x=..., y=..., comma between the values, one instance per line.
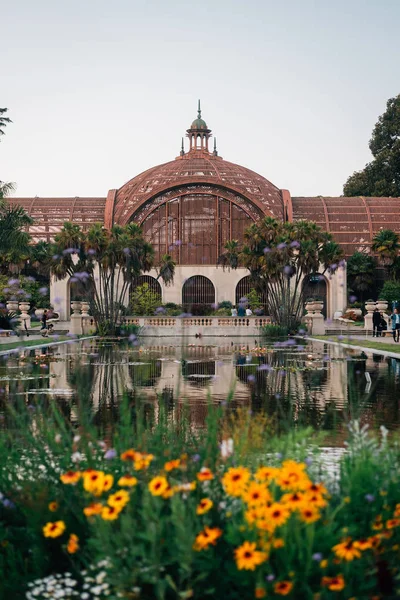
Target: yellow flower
x=278, y=514
x=93, y=482
x=204, y=506
x=235, y=480
x=266, y=474
x=317, y=488
x=172, y=464
x=205, y=474
x=207, y=537
x=70, y=477
x=53, y=506
x=363, y=544
x=185, y=487
x=377, y=524
x=315, y=499
x=119, y=499
x=158, y=485
x=323, y=564
x=93, y=509
x=347, y=550
x=278, y=543
x=127, y=481
x=108, y=482
x=54, y=530
x=309, y=514
x=110, y=513
x=335, y=584
x=73, y=544
x=259, y=592
x=168, y=492
x=247, y=557
x=347, y=499
x=293, y=476
x=256, y=494
x=283, y=588
x=142, y=461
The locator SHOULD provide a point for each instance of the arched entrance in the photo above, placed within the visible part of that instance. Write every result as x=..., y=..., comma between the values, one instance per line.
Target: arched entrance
x=244, y=287
x=315, y=286
x=198, y=290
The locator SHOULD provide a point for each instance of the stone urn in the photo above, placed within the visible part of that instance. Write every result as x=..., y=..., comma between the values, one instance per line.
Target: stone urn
x=76, y=307
x=85, y=309
x=12, y=305
x=382, y=305
x=318, y=306
x=370, y=306
x=310, y=306
x=356, y=311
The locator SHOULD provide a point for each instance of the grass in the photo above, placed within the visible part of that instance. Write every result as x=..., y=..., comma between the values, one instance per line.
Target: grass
x=364, y=343
x=26, y=343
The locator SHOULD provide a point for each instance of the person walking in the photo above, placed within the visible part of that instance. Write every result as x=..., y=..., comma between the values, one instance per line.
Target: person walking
x=44, y=319
x=395, y=318
x=376, y=319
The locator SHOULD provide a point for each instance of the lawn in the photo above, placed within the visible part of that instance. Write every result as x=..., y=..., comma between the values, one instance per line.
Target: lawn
x=364, y=343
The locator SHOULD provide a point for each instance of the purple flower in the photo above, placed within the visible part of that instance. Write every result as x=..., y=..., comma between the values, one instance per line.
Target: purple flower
x=369, y=497
x=282, y=372
x=91, y=251
x=132, y=337
x=251, y=378
x=270, y=577
x=264, y=368
x=196, y=457
x=56, y=256
x=126, y=251
x=295, y=244
x=13, y=282
x=281, y=246
x=279, y=455
x=110, y=454
x=178, y=243
x=340, y=337
x=7, y=503
x=266, y=250
x=317, y=556
x=43, y=291
x=69, y=251
x=352, y=299
x=309, y=461
x=160, y=310
x=74, y=279
x=277, y=395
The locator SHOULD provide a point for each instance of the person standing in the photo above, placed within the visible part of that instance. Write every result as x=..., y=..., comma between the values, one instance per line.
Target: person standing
x=376, y=319
x=395, y=318
x=249, y=312
x=241, y=312
x=44, y=319
x=234, y=312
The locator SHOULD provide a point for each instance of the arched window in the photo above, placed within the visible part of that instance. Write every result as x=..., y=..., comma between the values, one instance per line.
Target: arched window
x=243, y=289
x=153, y=284
x=197, y=290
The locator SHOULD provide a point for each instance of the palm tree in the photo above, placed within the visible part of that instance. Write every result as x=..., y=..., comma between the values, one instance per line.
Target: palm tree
x=386, y=244
x=3, y=120
x=6, y=189
x=14, y=239
x=360, y=273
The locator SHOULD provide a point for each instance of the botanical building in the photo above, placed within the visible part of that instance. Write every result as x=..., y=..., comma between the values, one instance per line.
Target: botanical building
x=189, y=207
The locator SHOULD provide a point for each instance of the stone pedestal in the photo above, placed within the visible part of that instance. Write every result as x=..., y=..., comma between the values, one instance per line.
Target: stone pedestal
x=25, y=319
x=85, y=309
x=314, y=318
x=76, y=319
x=369, y=307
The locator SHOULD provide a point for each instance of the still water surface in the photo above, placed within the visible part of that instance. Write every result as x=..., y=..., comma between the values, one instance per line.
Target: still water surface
x=303, y=384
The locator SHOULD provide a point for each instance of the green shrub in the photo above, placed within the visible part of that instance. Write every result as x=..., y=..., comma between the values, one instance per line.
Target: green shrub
x=144, y=301
x=274, y=331
x=390, y=291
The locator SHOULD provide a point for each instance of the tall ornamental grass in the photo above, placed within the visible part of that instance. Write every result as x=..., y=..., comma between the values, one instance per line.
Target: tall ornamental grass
x=157, y=510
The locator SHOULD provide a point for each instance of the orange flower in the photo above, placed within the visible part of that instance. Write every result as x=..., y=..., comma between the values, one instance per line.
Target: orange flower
x=93, y=509
x=283, y=588
x=260, y=593
x=256, y=494
x=130, y=454
x=206, y=538
x=205, y=474
x=53, y=506
x=70, y=477
x=127, y=481
x=142, y=461
x=317, y=488
x=363, y=544
x=73, y=544
x=172, y=464
x=278, y=543
x=248, y=558
x=54, y=530
x=309, y=514
x=315, y=499
x=392, y=523
x=204, y=506
x=110, y=513
x=377, y=525
x=278, y=514
x=293, y=500
x=335, y=584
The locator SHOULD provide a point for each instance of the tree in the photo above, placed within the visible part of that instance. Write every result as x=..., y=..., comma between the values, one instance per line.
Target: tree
x=5, y=188
x=386, y=244
x=144, y=301
x=279, y=256
x=106, y=262
x=381, y=177
x=360, y=273
x=14, y=239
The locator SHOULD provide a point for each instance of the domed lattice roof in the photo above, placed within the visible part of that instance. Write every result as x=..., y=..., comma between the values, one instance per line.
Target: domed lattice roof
x=197, y=168
x=199, y=124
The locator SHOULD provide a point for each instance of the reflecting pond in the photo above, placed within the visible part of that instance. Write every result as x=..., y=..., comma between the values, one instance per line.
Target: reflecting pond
x=301, y=383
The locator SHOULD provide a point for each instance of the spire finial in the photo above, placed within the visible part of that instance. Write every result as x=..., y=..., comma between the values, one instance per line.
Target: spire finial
x=182, y=149
x=215, y=147
x=199, y=111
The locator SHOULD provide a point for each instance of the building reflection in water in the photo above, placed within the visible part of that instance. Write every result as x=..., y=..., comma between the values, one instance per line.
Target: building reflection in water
x=316, y=385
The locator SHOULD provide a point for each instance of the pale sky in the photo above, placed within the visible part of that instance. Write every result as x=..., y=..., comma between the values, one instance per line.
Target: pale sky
x=100, y=90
